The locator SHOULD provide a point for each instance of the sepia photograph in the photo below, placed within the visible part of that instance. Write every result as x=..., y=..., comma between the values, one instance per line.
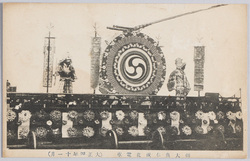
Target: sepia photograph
x=124, y=80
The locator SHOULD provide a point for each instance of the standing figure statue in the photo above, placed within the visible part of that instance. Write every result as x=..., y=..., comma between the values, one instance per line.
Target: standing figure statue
x=67, y=74
x=178, y=80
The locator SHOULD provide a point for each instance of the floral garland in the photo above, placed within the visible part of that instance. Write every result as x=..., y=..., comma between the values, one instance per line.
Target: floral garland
x=129, y=120
x=88, y=132
x=89, y=115
x=55, y=115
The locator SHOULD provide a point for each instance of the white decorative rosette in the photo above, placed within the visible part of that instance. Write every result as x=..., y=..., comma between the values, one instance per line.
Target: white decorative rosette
x=212, y=116
x=24, y=115
x=199, y=114
x=104, y=115
x=55, y=115
x=238, y=115
x=72, y=132
x=187, y=130
x=161, y=115
x=73, y=114
x=133, y=130
x=120, y=115
x=49, y=123
x=88, y=132
x=89, y=115
x=11, y=115
x=133, y=115
x=41, y=132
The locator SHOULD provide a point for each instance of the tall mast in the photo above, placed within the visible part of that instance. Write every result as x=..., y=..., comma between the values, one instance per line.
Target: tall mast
x=48, y=63
x=49, y=51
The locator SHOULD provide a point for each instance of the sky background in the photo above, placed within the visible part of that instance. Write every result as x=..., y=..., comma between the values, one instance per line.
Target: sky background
x=223, y=32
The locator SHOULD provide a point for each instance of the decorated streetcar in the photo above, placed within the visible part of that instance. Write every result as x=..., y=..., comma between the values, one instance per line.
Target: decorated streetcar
x=128, y=114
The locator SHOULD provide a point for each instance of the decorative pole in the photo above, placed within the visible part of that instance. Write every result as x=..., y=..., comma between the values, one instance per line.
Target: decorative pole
x=49, y=50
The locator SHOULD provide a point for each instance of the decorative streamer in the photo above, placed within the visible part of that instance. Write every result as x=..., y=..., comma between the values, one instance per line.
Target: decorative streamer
x=199, y=59
x=95, y=61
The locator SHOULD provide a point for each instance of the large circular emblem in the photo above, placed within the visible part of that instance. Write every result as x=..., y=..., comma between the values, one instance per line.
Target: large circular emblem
x=133, y=63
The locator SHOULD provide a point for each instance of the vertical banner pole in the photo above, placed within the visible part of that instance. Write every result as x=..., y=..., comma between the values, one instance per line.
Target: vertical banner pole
x=48, y=63
x=49, y=50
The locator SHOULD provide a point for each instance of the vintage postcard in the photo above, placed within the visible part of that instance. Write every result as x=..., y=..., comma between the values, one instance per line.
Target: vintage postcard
x=125, y=80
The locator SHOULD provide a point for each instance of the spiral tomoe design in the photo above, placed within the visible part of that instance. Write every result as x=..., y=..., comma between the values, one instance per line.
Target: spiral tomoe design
x=133, y=63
